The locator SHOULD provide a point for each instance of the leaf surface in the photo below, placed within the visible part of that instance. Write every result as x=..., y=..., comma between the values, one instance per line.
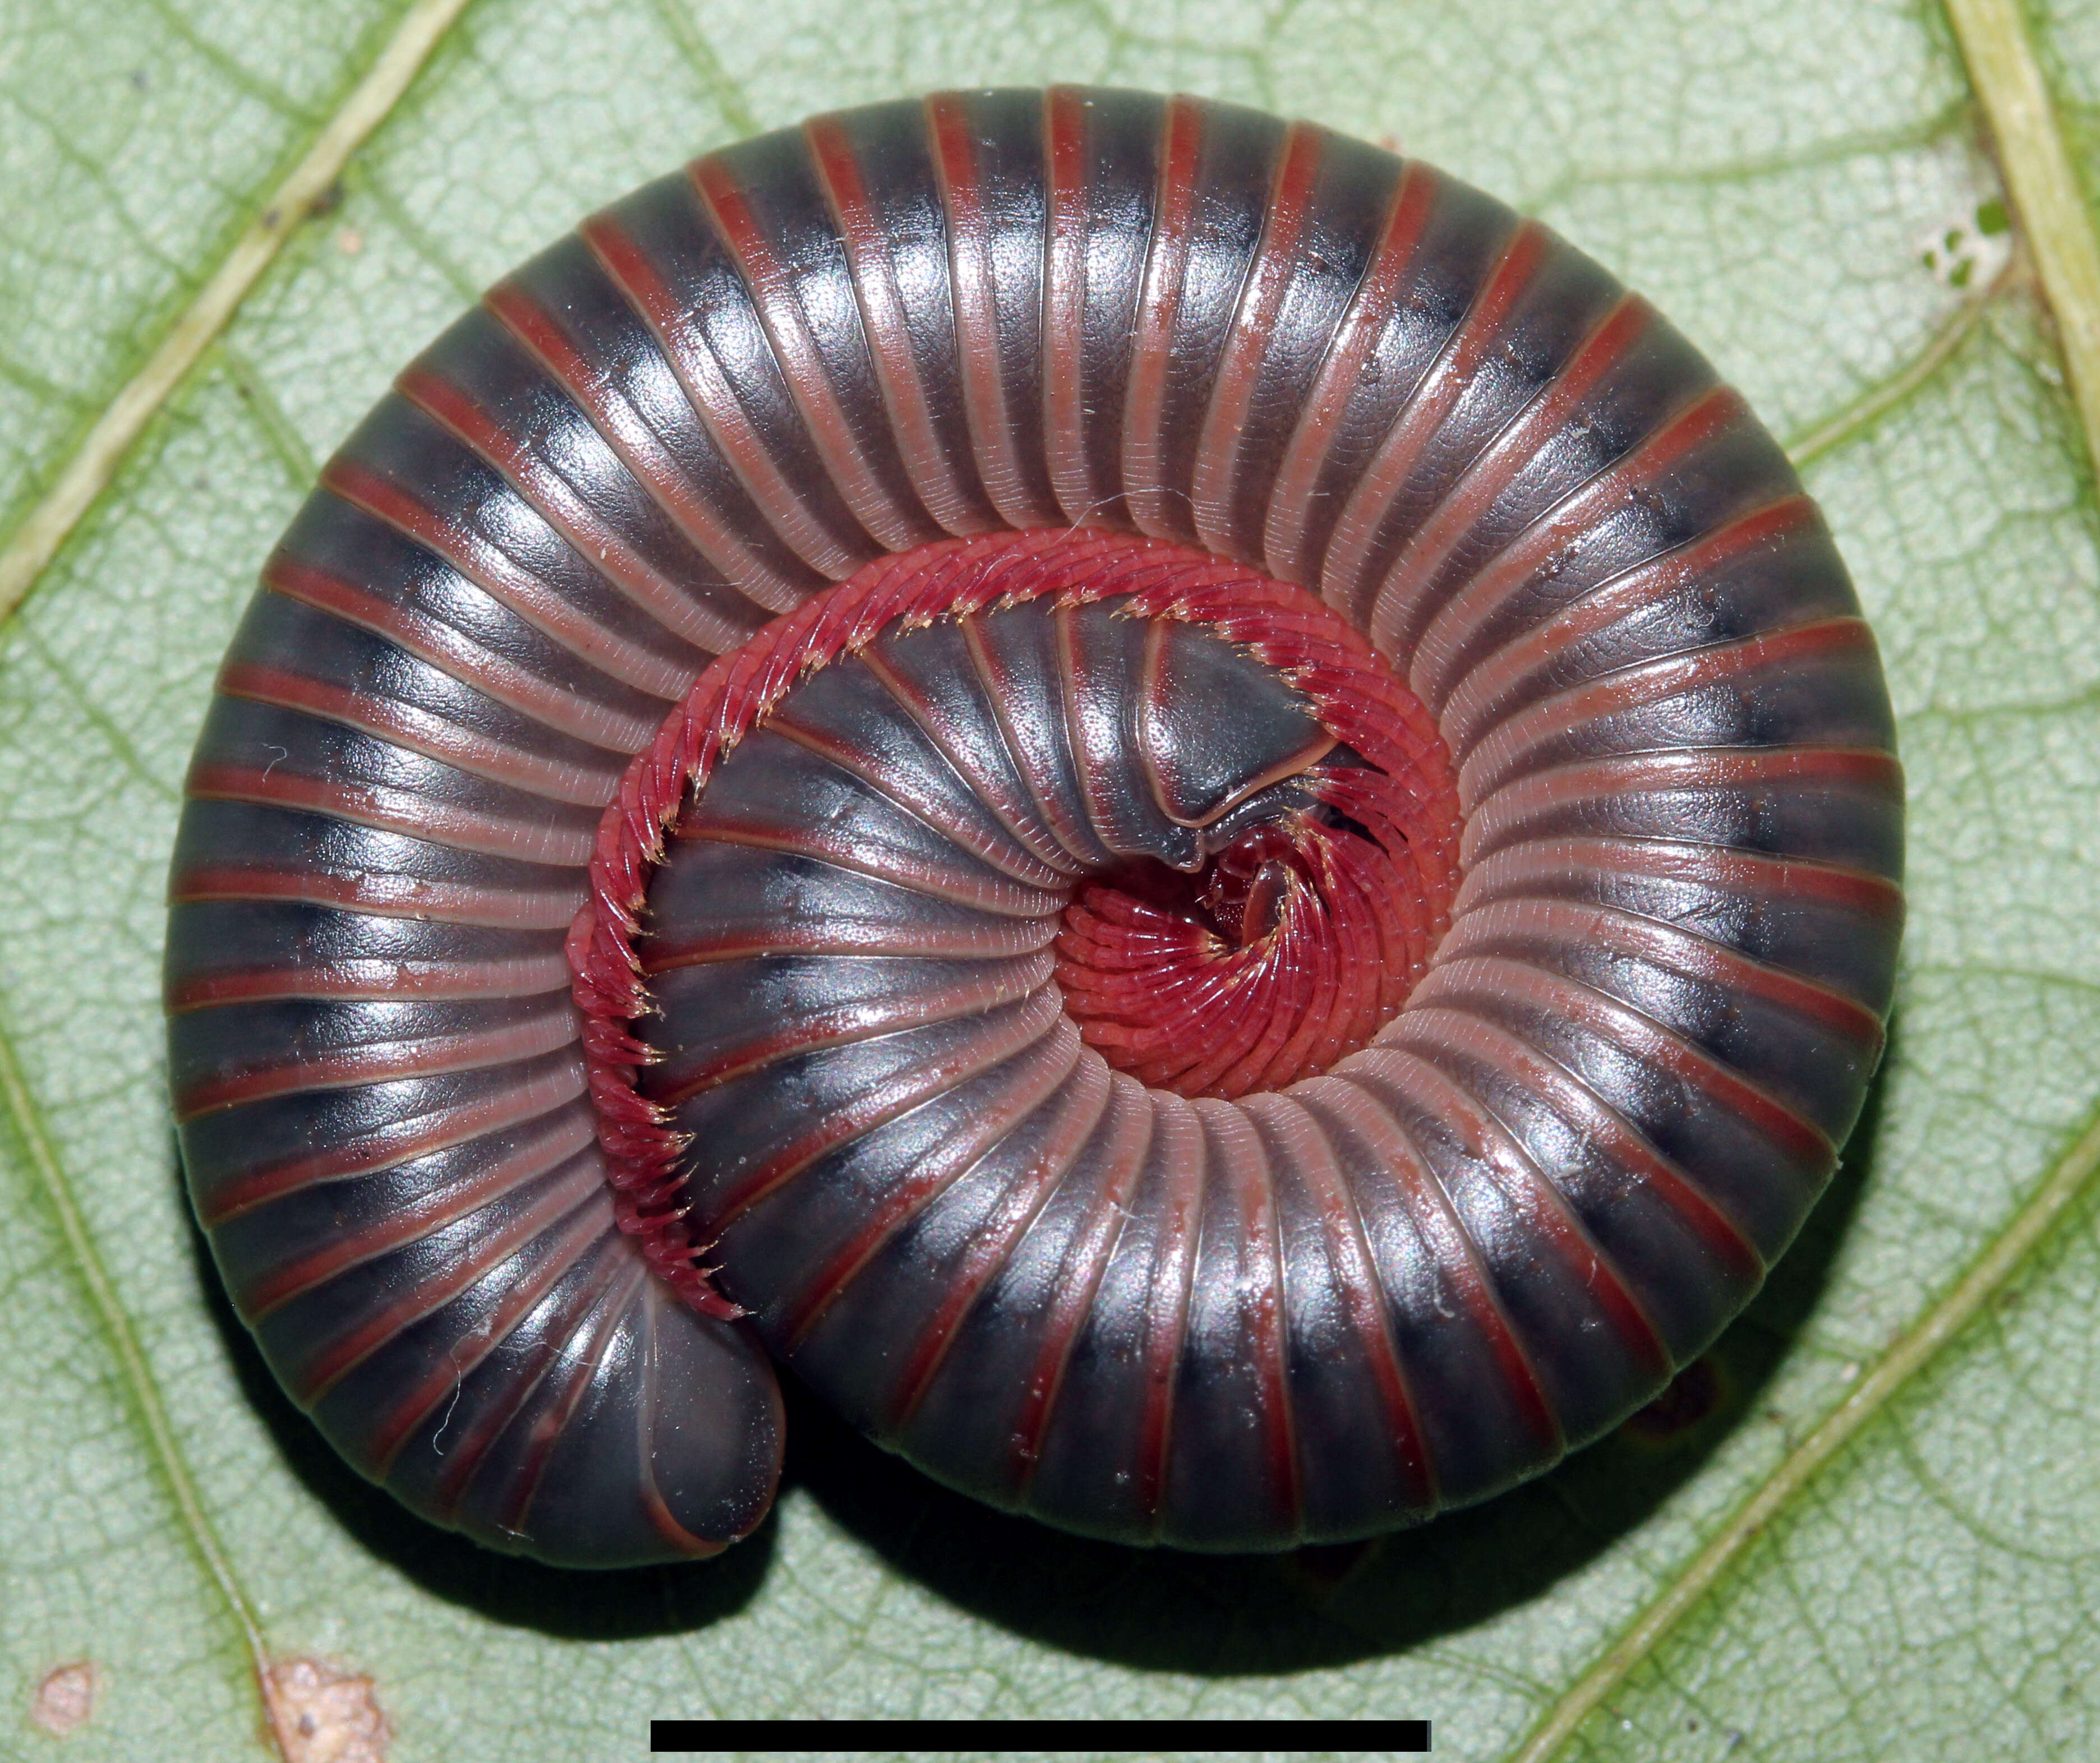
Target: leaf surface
x=1803, y=185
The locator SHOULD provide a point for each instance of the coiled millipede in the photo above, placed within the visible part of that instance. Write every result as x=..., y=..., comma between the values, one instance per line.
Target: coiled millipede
x=1182, y=809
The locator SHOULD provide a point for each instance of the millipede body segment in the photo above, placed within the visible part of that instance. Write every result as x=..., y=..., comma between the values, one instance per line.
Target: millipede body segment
x=1179, y=807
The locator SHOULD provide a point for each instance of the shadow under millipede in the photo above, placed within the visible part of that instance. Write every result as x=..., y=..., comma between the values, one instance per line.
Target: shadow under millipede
x=1158, y=1610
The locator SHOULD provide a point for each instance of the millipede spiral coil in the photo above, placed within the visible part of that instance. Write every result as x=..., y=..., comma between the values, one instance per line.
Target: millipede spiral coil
x=1179, y=807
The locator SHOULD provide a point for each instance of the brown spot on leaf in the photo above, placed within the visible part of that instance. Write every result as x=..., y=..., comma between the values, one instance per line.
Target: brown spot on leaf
x=319, y=1714
x=65, y=1697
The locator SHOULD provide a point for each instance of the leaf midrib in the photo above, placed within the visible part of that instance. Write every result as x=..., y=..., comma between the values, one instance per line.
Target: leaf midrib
x=2036, y=159
x=1865, y=1399
x=94, y=463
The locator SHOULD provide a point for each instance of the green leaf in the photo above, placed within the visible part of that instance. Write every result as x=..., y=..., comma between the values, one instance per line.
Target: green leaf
x=1884, y=1538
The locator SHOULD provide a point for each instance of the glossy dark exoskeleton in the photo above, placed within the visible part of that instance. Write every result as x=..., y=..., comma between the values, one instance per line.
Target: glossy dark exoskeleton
x=1119, y=1292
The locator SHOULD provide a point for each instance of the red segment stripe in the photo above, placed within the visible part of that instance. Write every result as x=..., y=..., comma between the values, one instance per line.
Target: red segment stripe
x=501, y=577
x=1487, y=590
x=560, y=706
x=1542, y=802
x=1241, y=1176
x=598, y=542
x=973, y=285
x=1575, y=924
x=1517, y=744
x=1269, y=279
x=1396, y=610
x=1468, y=982
x=1026, y=1083
x=934, y=477
x=1727, y=1241
x=1286, y=546
x=1129, y=1132
x=716, y=403
x=743, y=566
x=1025, y=740
x=419, y=814
x=572, y=1374
x=559, y=1139
x=387, y=896
x=1166, y=265
x=807, y=1032
x=853, y=849
x=853, y=937
x=899, y=785
x=467, y=1445
x=1472, y=707
x=989, y=1043
x=1542, y=870
x=416, y=1404
x=545, y=1030
x=1079, y=1108
x=384, y=979
x=536, y=1094
x=1345, y=579
x=1356, y=1097
x=1548, y=1219
x=1072, y=466
x=809, y=380
x=1179, y=1155
x=391, y=719
x=1295, y=1138
x=579, y=1199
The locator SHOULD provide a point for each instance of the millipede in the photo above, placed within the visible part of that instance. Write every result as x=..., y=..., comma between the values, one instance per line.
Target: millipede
x=1177, y=807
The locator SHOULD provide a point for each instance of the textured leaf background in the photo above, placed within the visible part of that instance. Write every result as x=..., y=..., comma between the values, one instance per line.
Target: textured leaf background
x=1884, y=1539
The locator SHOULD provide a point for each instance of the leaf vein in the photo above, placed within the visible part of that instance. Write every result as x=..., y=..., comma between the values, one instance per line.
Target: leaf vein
x=2007, y=77
x=88, y=473
x=1907, y=1355
x=136, y=1376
